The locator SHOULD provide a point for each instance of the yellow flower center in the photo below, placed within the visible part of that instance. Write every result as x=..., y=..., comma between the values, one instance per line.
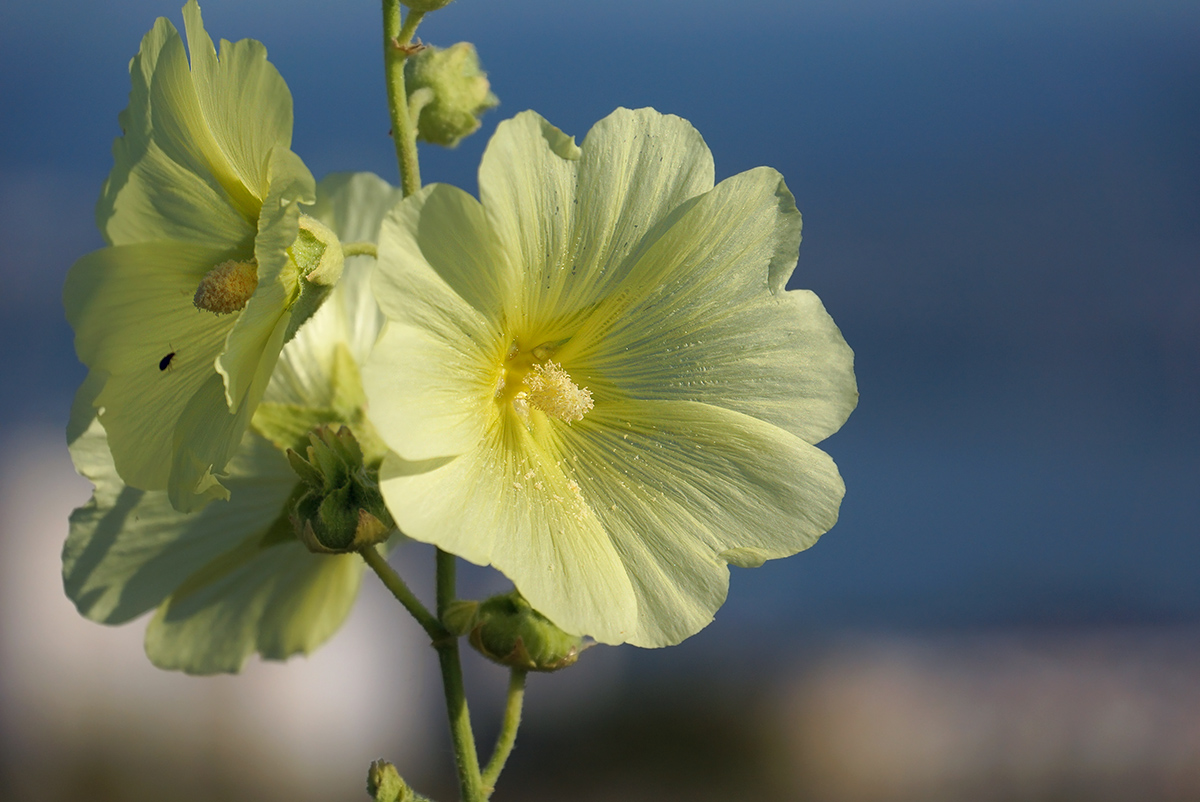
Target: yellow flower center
x=528, y=381
x=227, y=287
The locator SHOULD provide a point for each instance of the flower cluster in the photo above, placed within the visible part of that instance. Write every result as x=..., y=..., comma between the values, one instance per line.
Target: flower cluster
x=233, y=579
x=592, y=378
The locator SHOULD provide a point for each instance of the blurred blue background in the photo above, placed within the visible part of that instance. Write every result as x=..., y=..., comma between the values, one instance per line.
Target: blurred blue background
x=1002, y=212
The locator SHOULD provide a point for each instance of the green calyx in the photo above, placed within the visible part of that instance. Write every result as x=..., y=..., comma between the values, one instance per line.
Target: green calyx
x=317, y=254
x=341, y=509
x=507, y=630
x=447, y=93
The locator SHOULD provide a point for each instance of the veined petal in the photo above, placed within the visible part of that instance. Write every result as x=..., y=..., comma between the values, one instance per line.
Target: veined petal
x=244, y=100
x=278, y=601
x=208, y=433
x=703, y=317
x=527, y=183
x=354, y=204
x=436, y=365
x=131, y=309
x=128, y=549
x=159, y=200
x=636, y=168
x=445, y=228
x=682, y=489
x=511, y=504
x=229, y=580
x=154, y=193
x=178, y=127
x=429, y=392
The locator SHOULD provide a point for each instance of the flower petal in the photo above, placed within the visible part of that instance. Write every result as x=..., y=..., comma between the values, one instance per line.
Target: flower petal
x=637, y=167
x=129, y=549
x=179, y=128
x=682, y=489
x=353, y=205
x=207, y=436
x=257, y=589
x=278, y=600
x=573, y=232
x=131, y=308
x=436, y=364
x=509, y=504
x=158, y=188
x=527, y=183
x=244, y=100
x=703, y=317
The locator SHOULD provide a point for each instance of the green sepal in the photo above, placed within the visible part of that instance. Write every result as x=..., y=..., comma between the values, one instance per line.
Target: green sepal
x=317, y=254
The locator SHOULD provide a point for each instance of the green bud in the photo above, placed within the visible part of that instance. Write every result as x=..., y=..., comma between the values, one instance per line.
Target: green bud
x=447, y=92
x=341, y=509
x=506, y=630
x=384, y=783
x=425, y=5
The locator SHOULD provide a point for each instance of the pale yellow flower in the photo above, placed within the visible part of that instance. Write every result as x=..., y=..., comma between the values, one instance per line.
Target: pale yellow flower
x=595, y=381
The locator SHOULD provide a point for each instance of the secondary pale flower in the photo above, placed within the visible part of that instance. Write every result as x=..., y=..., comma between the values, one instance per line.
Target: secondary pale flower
x=210, y=265
x=595, y=381
x=232, y=579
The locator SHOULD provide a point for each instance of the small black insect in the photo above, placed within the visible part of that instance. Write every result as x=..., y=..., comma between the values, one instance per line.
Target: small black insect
x=165, y=362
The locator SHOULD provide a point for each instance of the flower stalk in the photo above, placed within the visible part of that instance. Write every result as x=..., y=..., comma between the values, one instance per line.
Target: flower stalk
x=508, y=730
x=397, y=46
x=465, y=757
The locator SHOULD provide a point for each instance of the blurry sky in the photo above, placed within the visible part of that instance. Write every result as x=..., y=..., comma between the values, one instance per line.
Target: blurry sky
x=1002, y=212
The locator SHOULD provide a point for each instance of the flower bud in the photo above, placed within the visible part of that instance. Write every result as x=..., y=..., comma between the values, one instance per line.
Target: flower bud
x=506, y=630
x=341, y=509
x=447, y=91
x=384, y=783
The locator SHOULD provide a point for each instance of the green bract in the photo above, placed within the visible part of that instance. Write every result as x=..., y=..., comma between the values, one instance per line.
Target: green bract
x=595, y=381
x=181, y=318
x=232, y=579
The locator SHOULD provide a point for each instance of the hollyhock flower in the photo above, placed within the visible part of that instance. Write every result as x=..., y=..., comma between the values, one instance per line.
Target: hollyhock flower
x=232, y=579
x=210, y=265
x=595, y=380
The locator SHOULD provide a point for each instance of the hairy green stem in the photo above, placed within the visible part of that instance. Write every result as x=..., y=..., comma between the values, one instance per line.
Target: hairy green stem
x=393, y=582
x=508, y=730
x=359, y=249
x=397, y=40
x=469, y=779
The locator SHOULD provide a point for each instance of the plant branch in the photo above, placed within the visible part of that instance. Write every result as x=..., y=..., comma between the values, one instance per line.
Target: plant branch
x=393, y=582
x=508, y=730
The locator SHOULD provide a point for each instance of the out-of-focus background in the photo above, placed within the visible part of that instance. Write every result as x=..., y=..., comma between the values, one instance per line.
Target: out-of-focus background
x=1002, y=212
